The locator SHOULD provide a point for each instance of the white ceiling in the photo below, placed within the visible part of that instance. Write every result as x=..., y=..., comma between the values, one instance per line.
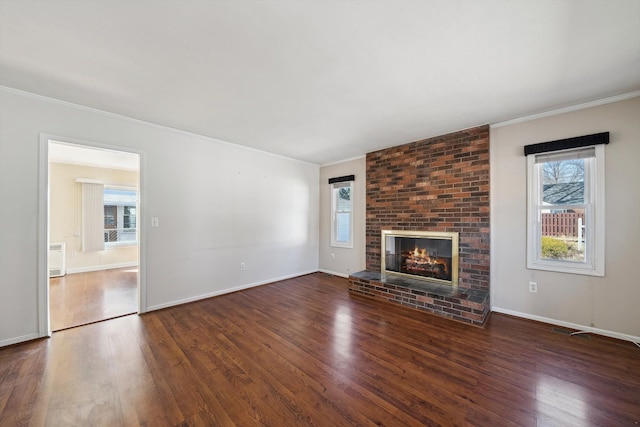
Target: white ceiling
x=61, y=152
x=322, y=81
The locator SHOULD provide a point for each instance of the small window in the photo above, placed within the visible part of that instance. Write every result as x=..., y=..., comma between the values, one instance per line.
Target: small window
x=566, y=211
x=129, y=218
x=120, y=226
x=342, y=214
x=110, y=223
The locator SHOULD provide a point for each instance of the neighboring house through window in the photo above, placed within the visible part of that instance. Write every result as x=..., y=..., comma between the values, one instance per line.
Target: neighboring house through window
x=120, y=206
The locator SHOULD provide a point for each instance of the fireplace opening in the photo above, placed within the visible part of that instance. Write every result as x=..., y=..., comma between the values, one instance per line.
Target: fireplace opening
x=423, y=255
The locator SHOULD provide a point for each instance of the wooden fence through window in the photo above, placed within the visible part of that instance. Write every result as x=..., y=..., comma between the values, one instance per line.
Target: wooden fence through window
x=561, y=224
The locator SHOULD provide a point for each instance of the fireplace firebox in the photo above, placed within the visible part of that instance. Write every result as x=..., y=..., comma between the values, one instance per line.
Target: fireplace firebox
x=423, y=255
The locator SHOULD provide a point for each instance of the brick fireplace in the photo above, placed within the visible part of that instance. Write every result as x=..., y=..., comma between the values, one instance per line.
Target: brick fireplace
x=438, y=184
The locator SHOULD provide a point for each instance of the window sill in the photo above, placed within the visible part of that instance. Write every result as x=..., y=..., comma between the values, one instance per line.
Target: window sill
x=117, y=245
x=559, y=268
x=340, y=245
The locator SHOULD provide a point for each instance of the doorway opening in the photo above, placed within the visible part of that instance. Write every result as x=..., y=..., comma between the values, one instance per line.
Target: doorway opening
x=93, y=233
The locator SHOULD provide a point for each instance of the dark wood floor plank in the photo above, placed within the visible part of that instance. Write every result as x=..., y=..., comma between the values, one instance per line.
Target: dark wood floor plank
x=305, y=352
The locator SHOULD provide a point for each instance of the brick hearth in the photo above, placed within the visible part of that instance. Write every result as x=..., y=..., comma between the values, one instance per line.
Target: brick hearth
x=468, y=305
x=437, y=184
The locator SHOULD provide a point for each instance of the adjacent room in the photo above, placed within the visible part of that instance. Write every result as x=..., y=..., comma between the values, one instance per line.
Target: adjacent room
x=322, y=213
x=93, y=239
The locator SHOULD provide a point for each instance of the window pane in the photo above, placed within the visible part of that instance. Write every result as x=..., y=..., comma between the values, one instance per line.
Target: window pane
x=563, y=182
x=342, y=227
x=109, y=217
x=110, y=223
x=129, y=217
x=344, y=199
x=120, y=218
x=562, y=226
x=563, y=235
x=565, y=191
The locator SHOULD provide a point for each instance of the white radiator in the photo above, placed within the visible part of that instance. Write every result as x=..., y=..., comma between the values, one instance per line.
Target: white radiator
x=56, y=259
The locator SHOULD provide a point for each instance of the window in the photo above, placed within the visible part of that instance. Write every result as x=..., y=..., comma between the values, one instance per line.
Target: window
x=110, y=223
x=566, y=211
x=342, y=214
x=129, y=217
x=120, y=216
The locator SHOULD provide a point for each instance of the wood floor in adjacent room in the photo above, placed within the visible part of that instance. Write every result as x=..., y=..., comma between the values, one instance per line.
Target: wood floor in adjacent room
x=81, y=298
x=305, y=352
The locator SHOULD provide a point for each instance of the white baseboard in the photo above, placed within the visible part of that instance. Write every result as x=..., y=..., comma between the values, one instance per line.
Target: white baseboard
x=570, y=325
x=101, y=267
x=334, y=273
x=24, y=338
x=226, y=291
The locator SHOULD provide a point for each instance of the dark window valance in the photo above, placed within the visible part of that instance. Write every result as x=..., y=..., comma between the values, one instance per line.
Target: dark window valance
x=564, y=144
x=342, y=179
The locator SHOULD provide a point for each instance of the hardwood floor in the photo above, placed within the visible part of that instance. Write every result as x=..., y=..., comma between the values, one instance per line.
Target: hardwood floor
x=305, y=352
x=81, y=298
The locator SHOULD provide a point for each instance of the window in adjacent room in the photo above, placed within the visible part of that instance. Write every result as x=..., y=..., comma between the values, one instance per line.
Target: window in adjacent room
x=342, y=214
x=566, y=210
x=120, y=207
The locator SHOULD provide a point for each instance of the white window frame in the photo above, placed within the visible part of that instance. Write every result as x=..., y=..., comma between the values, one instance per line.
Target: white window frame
x=594, y=206
x=335, y=188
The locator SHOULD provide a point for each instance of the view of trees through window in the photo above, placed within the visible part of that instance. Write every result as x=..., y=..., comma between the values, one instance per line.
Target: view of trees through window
x=565, y=225
x=563, y=209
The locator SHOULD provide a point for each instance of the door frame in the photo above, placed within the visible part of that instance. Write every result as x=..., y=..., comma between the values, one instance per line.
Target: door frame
x=44, y=320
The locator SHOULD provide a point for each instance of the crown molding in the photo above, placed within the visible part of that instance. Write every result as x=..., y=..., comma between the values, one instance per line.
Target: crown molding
x=350, y=159
x=569, y=109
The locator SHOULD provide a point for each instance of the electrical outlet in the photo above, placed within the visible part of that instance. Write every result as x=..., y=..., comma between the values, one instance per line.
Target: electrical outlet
x=155, y=222
x=533, y=287
x=243, y=266
x=333, y=256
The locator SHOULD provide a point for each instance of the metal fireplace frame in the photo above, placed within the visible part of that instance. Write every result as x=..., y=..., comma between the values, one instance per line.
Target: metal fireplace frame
x=452, y=236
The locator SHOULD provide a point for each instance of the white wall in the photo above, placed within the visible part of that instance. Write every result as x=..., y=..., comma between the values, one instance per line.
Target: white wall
x=218, y=205
x=345, y=260
x=609, y=304
x=65, y=216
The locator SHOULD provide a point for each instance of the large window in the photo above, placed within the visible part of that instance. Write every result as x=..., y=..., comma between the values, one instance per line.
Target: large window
x=120, y=216
x=342, y=214
x=566, y=211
